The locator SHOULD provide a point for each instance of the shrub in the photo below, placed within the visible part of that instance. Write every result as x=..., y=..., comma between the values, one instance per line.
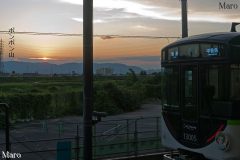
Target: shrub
x=110, y=98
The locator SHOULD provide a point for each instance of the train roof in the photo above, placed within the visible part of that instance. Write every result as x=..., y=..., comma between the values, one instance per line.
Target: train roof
x=220, y=37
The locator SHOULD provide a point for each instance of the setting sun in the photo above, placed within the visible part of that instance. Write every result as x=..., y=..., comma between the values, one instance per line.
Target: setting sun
x=45, y=58
x=42, y=58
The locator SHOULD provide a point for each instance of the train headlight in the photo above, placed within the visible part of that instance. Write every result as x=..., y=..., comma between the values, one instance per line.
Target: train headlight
x=222, y=141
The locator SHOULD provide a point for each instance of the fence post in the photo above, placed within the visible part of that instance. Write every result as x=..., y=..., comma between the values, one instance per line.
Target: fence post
x=7, y=130
x=45, y=126
x=127, y=137
x=60, y=129
x=77, y=148
x=94, y=141
x=7, y=127
x=136, y=139
x=157, y=132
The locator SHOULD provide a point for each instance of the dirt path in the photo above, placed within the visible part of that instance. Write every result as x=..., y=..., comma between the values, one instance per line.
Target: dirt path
x=146, y=110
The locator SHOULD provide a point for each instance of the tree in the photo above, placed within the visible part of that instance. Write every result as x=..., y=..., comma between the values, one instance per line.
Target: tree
x=143, y=73
x=132, y=76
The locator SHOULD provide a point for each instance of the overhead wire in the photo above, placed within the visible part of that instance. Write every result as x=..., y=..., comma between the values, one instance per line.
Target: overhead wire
x=97, y=35
x=103, y=37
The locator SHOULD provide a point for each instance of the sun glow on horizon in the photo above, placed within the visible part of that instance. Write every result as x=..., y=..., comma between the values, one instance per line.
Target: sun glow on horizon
x=42, y=58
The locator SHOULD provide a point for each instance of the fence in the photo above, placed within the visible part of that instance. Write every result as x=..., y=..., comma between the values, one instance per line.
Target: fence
x=111, y=138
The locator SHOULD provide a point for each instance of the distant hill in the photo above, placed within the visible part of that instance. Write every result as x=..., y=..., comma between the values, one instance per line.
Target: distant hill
x=67, y=68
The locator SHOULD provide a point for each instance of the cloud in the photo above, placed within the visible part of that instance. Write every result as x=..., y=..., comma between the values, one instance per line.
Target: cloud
x=212, y=17
x=130, y=7
x=106, y=37
x=94, y=21
x=77, y=2
x=156, y=10
x=142, y=27
x=78, y=19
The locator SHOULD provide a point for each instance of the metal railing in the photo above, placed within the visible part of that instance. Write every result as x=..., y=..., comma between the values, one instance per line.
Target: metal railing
x=111, y=138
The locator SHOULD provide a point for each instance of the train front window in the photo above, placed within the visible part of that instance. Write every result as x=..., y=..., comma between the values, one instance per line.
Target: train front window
x=172, y=87
x=172, y=53
x=190, y=50
x=213, y=81
x=235, y=82
x=188, y=84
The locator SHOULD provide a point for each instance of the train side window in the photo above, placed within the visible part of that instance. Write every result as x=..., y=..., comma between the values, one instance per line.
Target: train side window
x=213, y=81
x=235, y=82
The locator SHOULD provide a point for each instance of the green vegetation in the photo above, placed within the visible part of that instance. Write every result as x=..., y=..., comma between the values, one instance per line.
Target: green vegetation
x=49, y=97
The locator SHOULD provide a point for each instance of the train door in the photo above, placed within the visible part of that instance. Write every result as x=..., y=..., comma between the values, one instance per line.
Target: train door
x=189, y=105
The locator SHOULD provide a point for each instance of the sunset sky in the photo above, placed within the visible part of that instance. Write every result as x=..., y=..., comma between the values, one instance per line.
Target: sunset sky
x=111, y=17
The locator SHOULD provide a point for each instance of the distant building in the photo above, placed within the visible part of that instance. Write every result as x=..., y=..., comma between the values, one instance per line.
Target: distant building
x=104, y=71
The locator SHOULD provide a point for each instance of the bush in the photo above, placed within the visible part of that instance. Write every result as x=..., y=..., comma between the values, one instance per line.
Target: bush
x=153, y=91
x=108, y=97
x=24, y=106
x=60, y=98
x=66, y=103
x=42, y=106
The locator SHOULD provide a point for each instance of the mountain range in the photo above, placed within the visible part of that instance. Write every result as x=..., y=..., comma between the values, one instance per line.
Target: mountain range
x=67, y=68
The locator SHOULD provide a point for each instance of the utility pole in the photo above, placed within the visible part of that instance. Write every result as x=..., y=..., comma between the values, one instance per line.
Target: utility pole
x=1, y=45
x=88, y=77
x=184, y=19
x=1, y=56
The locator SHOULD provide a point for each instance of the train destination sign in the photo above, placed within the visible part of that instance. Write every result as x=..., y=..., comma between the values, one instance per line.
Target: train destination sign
x=212, y=51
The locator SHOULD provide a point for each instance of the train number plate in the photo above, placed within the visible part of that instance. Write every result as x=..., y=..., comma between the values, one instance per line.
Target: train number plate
x=190, y=131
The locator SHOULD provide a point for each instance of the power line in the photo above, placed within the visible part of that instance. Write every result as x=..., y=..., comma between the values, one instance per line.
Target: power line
x=104, y=37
